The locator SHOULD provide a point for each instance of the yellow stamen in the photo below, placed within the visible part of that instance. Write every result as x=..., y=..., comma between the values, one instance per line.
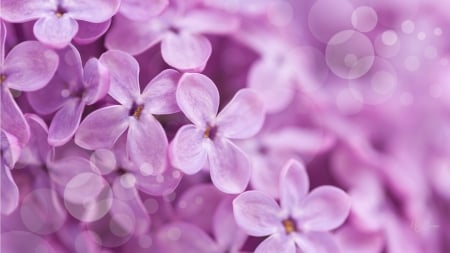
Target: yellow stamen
x=289, y=226
x=2, y=78
x=207, y=132
x=137, y=113
x=59, y=14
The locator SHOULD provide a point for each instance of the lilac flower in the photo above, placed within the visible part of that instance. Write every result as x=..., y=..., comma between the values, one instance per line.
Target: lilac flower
x=209, y=135
x=180, y=31
x=10, y=151
x=303, y=220
x=146, y=139
x=58, y=20
x=69, y=92
x=142, y=9
x=29, y=66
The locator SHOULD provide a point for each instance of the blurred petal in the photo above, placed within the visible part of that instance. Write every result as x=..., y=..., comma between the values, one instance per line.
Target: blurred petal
x=256, y=213
x=12, y=119
x=63, y=170
x=159, y=94
x=264, y=78
x=198, y=98
x=3, y=33
x=89, y=32
x=29, y=66
x=230, y=168
x=276, y=243
x=95, y=11
x=142, y=9
x=325, y=208
x=25, y=10
x=96, y=80
x=227, y=233
x=243, y=116
x=102, y=128
x=185, y=51
x=294, y=185
x=208, y=21
x=9, y=190
x=65, y=122
x=37, y=149
x=134, y=37
x=55, y=31
x=147, y=142
x=124, y=70
x=14, y=241
x=10, y=149
x=159, y=184
x=186, y=150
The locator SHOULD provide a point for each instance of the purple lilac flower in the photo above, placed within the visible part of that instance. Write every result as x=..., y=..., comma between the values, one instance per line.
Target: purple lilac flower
x=303, y=220
x=208, y=138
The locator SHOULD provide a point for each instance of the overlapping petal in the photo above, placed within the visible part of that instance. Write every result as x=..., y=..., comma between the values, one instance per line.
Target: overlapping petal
x=55, y=31
x=65, y=122
x=294, y=185
x=25, y=10
x=12, y=119
x=276, y=243
x=159, y=94
x=256, y=213
x=142, y=9
x=208, y=21
x=96, y=80
x=89, y=32
x=9, y=190
x=95, y=11
x=187, y=151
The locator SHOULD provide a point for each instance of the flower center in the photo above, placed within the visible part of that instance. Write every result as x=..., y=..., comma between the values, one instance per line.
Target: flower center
x=210, y=132
x=289, y=225
x=136, y=110
x=60, y=11
x=2, y=78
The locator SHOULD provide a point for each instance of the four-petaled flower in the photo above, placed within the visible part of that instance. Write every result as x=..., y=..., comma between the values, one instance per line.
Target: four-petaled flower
x=302, y=221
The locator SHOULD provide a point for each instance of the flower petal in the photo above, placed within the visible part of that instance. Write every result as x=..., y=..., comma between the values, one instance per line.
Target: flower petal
x=147, y=143
x=9, y=190
x=12, y=119
x=65, y=122
x=198, y=98
x=29, y=66
x=317, y=242
x=256, y=213
x=96, y=80
x=186, y=150
x=276, y=243
x=185, y=51
x=230, y=168
x=134, y=37
x=102, y=128
x=37, y=148
x=142, y=9
x=89, y=32
x=25, y=10
x=124, y=70
x=3, y=33
x=55, y=31
x=159, y=184
x=159, y=94
x=50, y=98
x=325, y=208
x=294, y=185
x=243, y=116
x=95, y=11
x=208, y=21
x=182, y=237
x=225, y=230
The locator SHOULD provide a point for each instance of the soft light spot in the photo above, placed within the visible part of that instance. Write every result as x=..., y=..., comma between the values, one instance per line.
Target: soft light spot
x=104, y=160
x=411, y=63
x=123, y=228
x=280, y=13
x=437, y=31
x=151, y=205
x=145, y=241
x=408, y=26
x=348, y=102
x=350, y=60
x=160, y=178
x=389, y=37
x=174, y=234
x=146, y=169
x=421, y=36
x=128, y=180
x=364, y=18
x=176, y=174
x=383, y=82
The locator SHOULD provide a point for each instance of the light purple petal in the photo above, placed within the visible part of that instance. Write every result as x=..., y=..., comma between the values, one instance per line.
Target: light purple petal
x=134, y=37
x=243, y=116
x=89, y=32
x=65, y=122
x=317, y=242
x=147, y=142
x=3, y=33
x=159, y=94
x=96, y=80
x=37, y=149
x=227, y=233
x=55, y=31
x=294, y=185
x=198, y=98
x=257, y=213
x=182, y=237
x=12, y=118
x=124, y=70
x=186, y=150
x=230, y=168
x=95, y=11
x=14, y=241
x=9, y=190
x=325, y=208
x=142, y=9
x=208, y=21
x=102, y=128
x=276, y=243
x=25, y=10
x=29, y=66
x=50, y=98
x=159, y=184
x=10, y=148
x=185, y=51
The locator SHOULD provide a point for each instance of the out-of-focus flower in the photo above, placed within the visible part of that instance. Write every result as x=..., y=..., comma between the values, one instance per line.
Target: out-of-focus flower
x=303, y=220
x=142, y=9
x=10, y=151
x=208, y=138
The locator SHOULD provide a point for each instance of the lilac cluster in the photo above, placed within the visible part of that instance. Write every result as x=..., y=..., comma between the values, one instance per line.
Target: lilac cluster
x=225, y=126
